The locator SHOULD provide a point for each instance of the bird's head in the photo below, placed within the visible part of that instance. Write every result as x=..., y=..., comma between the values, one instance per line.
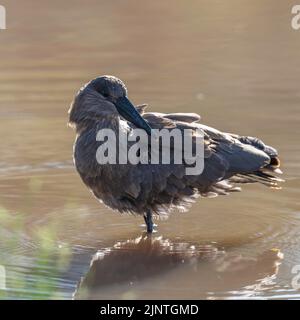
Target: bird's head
x=104, y=98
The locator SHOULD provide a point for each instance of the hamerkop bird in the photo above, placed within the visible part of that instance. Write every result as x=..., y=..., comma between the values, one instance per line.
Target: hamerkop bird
x=147, y=189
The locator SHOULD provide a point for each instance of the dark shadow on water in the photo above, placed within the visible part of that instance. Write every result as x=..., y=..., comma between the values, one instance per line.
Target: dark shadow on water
x=204, y=267
x=138, y=259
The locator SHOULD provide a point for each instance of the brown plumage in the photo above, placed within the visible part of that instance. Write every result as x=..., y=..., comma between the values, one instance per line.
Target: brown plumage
x=147, y=188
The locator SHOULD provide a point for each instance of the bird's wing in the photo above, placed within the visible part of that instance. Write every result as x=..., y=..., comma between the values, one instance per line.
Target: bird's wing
x=265, y=174
x=158, y=120
x=250, y=159
x=183, y=117
x=241, y=157
x=155, y=117
x=164, y=186
x=257, y=143
x=141, y=108
x=227, y=156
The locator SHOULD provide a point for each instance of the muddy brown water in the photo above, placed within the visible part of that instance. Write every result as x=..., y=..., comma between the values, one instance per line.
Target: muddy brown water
x=236, y=63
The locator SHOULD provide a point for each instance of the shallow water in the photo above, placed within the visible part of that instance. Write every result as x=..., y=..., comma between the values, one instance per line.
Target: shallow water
x=236, y=63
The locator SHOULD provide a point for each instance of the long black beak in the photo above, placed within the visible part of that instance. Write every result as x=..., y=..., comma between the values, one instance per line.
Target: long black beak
x=127, y=110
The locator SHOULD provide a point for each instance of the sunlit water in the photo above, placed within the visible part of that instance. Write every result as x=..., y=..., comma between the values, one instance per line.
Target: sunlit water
x=234, y=62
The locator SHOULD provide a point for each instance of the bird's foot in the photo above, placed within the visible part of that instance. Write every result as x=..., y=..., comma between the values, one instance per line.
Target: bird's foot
x=149, y=223
x=143, y=225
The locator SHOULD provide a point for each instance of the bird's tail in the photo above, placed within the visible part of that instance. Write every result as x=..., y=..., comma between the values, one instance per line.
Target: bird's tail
x=266, y=179
x=266, y=175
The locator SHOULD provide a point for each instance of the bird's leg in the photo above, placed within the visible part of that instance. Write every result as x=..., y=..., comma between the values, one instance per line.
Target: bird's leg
x=148, y=221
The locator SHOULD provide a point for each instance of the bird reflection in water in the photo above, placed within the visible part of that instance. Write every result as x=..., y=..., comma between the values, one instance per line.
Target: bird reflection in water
x=130, y=264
